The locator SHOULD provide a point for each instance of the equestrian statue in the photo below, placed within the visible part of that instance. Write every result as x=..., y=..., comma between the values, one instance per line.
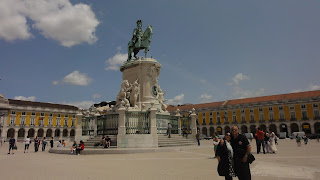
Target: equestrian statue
x=140, y=40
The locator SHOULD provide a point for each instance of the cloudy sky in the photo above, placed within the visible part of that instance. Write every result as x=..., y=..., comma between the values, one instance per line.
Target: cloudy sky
x=70, y=51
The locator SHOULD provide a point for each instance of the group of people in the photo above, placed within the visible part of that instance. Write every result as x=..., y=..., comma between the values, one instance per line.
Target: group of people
x=234, y=155
x=77, y=148
x=105, y=142
x=267, y=140
x=299, y=139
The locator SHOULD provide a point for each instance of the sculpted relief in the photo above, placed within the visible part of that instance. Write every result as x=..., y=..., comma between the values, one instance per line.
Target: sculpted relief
x=128, y=95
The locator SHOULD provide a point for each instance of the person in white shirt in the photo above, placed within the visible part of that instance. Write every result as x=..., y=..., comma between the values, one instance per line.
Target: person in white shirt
x=26, y=145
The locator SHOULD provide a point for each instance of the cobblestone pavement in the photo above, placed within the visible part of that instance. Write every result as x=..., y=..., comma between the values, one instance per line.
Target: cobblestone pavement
x=289, y=163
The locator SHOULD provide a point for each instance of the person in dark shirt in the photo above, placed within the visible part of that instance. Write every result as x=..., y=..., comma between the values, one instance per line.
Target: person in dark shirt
x=241, y=149
x=12, y=143
x=108, y=142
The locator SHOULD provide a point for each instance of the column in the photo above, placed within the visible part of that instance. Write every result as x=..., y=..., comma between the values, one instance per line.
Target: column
x=121, y=126
x=26, y=133
x=4, y=129
x=16, y=133
x=153, y=126
x=78, y=130
x=179, y=121
x=95, y=126
x=61, y=132
x=193, y=125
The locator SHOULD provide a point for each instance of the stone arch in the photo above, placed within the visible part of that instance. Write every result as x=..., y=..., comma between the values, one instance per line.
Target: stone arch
x=306, y=128
x=227, y=129
x=31, y=132
x=57, y=133
x=284, y=128
x=204, y=131
x=244, y=129
x=317, y=128
x=40, y=132
x=49, y=133
x=21, y=132
x=211, y=130
x=273, y=128
x=65, y=133
x=263, y=127
x=10, y=132
x=253, y=129
x=72, y=133
x=219, y=130
x=294, y=127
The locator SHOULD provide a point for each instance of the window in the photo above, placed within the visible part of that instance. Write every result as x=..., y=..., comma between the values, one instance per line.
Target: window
x=252, y=118
x=210, y=114
x=280, y=108
x=271, y=117
x=281, y=115
x=316, y=113
x=41, y=114
x=58, y=122
x=234, y=118
x=315, y=105
x=32, y=121
x=260, y=109
x=243, y=119
x=72, y=123
x=270, y=109
x=226, y=119
x=303, y=106
x=12, y=120
x=233, y=112
x=13, y=112
x=33, y=114
x=23, y=113
x=304, y=115
x=261, y=117
x=41, y=122
x=251, y=110
x=23, y=121
x=242, y=110
x=218, y=120
x=66, y=122
x=226, y=112
x=50, y=114
x=67, y=115
x=211, y=121
x=49, y=122
x=204, y=121
x=291, y=107
x=292, y=115
x=59, y=115
x=218, y=113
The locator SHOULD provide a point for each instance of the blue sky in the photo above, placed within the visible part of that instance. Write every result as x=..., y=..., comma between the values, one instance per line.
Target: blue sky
x=69, y=51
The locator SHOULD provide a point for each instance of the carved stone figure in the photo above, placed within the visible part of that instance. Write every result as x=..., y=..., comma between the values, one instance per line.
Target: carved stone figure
x=134, y=94
x=124, y=94
x=140, y=40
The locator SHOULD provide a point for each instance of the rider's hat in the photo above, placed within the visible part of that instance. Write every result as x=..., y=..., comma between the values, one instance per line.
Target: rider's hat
x=139, y=21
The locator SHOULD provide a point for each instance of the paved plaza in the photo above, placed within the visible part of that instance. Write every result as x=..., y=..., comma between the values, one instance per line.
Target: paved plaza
x=290, y=162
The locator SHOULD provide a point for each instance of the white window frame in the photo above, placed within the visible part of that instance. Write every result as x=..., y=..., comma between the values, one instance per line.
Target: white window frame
x=73, y=123
x=271, y=116
x=58, y=122
x=23, y=113
x=261, y=117
x=23, y=121
x=303, y=106
x=234, y=118
x=42, y=114
x=281, y=117
x=12, y=120
x=292, y=113
x=50, y=122
x=32, y=121
x=304, y=112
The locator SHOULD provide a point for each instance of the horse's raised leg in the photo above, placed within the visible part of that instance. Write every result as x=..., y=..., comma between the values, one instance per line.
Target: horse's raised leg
x=135, y=52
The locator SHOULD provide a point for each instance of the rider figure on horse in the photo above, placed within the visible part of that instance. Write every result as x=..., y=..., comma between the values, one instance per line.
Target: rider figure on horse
x=137, y=34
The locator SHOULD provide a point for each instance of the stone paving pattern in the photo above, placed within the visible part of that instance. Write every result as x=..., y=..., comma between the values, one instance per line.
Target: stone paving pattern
x=290, y=163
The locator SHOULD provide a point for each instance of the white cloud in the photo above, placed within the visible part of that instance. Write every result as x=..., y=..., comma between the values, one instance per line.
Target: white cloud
x=55, y=83
x=58, y=20
x=76, y=78
x=95, y=96
x=204, y=98
x=240, y=93
x=203, y=81
x=119, y=48
x=239, y=77
x=311, y=87
x=31, y=98
x=116, y=61
x=176, y=100
x=80, y=104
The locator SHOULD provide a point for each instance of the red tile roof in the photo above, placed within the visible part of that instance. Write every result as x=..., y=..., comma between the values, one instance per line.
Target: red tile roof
x=280, y=97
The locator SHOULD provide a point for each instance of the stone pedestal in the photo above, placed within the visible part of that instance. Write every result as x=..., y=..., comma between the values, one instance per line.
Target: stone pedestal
x=78, y=130
x=193, y=125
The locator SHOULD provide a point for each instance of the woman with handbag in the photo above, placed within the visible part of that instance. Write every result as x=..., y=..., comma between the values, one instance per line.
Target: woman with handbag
x=224, y=155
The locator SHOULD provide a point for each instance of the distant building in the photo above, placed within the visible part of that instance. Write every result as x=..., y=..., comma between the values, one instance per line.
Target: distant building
x=280, y=113
x=25, y=118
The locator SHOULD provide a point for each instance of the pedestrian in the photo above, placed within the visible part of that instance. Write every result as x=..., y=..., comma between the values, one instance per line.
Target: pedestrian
x=36, y=144
x=225, y=158
x=26, y=145
x=298, y=140
x=59, y=144
x=267, y=142
x=169, y=130
x=273, y=148
x=198, y=137
x=241, y=150
x=51, y=142
x=305, y=139
x=215, y=143
x=63, y=143
x=44, y=143
x=276, y=139
x=260, y=141
x=12, y=144
x=74, y=146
